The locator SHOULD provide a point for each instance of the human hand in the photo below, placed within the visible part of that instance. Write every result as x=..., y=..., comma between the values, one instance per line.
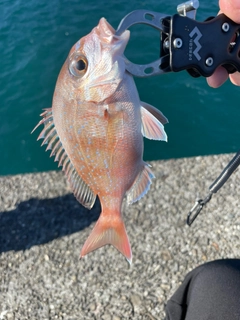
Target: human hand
x=230, y=8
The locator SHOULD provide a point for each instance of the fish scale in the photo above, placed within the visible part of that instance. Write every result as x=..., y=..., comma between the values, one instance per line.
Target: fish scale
x=95, y=130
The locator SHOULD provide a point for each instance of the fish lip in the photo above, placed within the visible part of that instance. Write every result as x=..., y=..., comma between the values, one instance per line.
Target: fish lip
x=124, y=37
x=107, y=34
x=120, y=42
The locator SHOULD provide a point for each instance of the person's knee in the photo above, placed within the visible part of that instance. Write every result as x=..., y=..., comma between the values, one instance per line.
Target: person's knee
x=218, y=272
x=210, y=291
x=215, y=289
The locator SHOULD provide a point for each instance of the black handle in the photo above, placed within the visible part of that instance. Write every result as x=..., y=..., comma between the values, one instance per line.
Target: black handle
x=200, y=47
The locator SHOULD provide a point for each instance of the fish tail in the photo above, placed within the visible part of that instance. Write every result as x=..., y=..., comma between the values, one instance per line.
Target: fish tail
x=108, y=230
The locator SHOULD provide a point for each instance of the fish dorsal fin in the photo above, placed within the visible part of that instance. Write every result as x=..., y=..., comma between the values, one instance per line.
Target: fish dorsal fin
x=81, y=190
x=152, y=128
x=141, y=185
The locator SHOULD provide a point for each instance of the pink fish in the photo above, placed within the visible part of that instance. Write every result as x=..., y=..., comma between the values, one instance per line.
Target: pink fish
x=95, y=129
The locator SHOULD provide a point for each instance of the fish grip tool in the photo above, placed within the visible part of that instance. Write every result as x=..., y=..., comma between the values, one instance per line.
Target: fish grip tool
x=187, y=44
x=215, y=186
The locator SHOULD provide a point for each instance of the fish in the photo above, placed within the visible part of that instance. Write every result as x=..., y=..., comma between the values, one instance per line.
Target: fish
x=95, y=131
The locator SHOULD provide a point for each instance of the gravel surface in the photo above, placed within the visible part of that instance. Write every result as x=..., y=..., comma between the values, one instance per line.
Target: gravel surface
x=43, y=227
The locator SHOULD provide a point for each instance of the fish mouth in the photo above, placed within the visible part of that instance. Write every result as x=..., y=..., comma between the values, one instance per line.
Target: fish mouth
x=122, y=41
x=107, y=35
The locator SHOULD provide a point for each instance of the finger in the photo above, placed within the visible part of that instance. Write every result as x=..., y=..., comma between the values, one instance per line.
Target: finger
x=231, y=8
x=218, y=78
x=235, y=78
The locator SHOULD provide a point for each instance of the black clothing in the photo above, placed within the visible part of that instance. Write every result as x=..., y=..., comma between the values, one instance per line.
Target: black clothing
x=209, y=292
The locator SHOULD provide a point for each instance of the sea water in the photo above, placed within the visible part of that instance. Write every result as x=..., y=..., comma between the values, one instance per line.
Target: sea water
x=36, y=37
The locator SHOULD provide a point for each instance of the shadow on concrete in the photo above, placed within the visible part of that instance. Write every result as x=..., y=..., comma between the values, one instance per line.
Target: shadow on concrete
x=37, y=221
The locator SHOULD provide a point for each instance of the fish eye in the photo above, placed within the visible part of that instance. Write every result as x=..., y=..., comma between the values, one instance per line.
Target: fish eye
x=78, y=65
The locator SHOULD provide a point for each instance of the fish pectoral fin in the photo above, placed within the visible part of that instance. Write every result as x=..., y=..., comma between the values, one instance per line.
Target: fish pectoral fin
x=108, y=231
x=155, y=112
x=152, y=127
x=141, y=185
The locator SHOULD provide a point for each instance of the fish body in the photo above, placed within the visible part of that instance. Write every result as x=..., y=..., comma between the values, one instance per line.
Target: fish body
x=95, y=130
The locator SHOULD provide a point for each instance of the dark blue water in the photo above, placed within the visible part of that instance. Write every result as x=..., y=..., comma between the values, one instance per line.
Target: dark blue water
x=36, y=37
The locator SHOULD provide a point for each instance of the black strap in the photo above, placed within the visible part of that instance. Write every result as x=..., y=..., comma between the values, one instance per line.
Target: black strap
x=215, y=186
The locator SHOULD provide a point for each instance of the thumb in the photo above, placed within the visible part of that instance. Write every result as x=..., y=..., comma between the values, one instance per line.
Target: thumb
x=231, y=8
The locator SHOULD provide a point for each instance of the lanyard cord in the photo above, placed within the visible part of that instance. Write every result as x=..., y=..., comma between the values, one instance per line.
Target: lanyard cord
x=215, y=186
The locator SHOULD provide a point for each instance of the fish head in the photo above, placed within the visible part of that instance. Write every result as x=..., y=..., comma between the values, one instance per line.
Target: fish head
x=95, y=65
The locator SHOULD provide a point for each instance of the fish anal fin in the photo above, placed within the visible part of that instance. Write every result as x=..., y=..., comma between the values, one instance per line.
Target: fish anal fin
x=152, y=128
x=108, y=230
x=141, y=185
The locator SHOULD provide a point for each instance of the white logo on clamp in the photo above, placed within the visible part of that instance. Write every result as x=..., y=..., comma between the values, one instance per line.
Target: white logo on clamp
x=198, y=34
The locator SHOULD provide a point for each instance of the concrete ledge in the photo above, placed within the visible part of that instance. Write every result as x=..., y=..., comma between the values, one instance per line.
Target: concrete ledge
x=42, y=228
